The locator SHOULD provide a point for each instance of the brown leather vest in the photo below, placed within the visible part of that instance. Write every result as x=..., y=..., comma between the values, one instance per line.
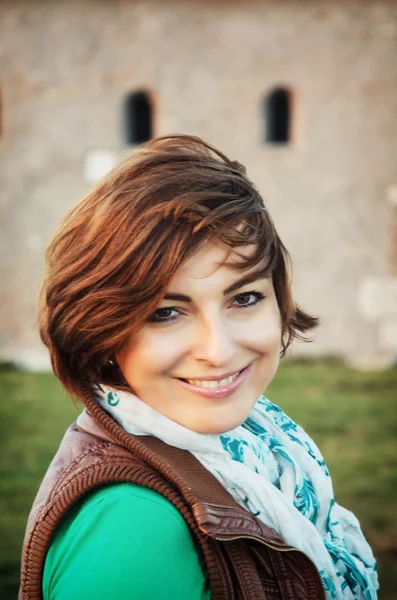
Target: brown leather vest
x=245, y=559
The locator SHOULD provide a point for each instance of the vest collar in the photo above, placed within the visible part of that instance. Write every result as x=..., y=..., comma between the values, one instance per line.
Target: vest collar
x=216, y=512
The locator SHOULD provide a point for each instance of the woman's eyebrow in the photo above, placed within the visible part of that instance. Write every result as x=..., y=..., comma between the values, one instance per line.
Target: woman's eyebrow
x=250, y=278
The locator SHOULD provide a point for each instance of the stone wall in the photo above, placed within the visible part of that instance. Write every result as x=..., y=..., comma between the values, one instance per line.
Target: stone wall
x=67, y=66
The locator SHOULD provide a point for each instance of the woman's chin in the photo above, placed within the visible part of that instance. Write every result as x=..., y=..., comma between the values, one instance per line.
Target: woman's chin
x=216, y=424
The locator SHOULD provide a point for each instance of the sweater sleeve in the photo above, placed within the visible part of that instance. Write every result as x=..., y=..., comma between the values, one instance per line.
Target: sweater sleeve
x=126, y=542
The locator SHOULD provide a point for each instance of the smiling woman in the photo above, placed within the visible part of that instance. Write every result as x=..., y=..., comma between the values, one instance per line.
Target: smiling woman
x=213, y=344
x=166, y=308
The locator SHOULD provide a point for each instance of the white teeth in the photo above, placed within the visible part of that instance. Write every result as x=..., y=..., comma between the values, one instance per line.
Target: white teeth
x=213, y=384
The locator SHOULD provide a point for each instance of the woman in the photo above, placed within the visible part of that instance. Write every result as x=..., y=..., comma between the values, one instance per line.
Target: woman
x=166, y=307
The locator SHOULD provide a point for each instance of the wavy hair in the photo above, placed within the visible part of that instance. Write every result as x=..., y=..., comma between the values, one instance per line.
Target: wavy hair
x=114, y=254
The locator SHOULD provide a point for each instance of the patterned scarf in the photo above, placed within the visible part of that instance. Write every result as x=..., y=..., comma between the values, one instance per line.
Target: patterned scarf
x=272, y=468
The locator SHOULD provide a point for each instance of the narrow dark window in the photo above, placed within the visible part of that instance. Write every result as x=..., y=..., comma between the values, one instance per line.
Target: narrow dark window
x=138, y=118
x=278, y=116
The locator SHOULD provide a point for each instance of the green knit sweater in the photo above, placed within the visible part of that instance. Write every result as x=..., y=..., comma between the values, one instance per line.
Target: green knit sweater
x=126, y=542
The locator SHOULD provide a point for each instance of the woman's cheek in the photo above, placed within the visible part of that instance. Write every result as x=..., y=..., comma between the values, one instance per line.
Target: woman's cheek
x=161, y=351
x=265, y=331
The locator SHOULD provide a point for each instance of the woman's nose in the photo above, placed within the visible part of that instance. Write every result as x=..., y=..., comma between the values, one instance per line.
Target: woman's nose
x=213, y=342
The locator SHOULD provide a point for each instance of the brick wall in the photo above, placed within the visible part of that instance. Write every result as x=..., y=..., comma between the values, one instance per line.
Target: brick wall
x=66, y=68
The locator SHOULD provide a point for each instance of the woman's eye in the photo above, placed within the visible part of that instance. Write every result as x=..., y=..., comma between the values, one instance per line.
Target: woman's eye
x=169, y=313
x=244, y=299
x=163, y=315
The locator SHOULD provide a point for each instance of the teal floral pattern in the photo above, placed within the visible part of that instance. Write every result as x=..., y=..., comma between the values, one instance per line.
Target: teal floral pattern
x=113, y=398
x=271, y=451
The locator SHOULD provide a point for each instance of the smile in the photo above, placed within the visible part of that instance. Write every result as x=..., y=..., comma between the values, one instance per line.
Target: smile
x=217, y=388
x=213, y=383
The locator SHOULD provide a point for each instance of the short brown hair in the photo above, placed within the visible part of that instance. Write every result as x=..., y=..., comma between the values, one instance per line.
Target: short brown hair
x=114, y=254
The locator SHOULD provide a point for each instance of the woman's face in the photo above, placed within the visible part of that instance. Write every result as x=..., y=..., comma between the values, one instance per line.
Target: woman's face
x=203, y=333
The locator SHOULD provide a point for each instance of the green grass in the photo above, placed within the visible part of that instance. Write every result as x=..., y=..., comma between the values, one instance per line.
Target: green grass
x=351, y=415
x=34, y=414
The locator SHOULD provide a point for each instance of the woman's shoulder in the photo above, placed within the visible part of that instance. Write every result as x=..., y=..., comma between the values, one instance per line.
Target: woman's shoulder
x=114, y=499
x=126, y=536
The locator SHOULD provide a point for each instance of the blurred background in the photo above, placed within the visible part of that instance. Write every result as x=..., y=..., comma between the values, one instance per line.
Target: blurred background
x=302, y=92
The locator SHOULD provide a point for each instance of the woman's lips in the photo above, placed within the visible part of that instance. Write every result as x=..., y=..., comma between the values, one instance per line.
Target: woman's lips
x=218, y=392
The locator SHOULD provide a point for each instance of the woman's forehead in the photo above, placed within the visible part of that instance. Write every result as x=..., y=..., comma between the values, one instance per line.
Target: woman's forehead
x=212, y=258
